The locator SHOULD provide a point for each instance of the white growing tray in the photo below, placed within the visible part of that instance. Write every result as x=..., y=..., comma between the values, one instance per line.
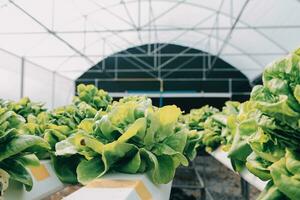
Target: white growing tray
x=45, y=183
x=119, y=186
x=222, y=157
x=112, y=187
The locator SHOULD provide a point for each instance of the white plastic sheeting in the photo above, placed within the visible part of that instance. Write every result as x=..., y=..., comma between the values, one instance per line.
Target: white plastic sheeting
x=69, y=36
x=35, y=82
x=10, y=76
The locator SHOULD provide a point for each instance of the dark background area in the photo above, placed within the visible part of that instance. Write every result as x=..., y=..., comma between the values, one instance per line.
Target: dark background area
x=128, y=71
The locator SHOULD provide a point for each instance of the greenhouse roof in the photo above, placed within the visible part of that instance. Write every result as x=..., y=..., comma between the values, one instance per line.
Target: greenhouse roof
x=70, y=36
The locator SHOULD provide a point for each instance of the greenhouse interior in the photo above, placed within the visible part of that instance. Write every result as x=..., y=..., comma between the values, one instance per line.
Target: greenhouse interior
x=150, y=99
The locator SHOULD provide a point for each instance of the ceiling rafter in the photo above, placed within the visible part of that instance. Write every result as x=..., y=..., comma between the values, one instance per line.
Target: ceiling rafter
x=230, y=17
x=116, y=33
x=186, y=31
x=241, y=25
x=128, y=13
x=180, y=66
x=169, y=79
x=160, y=29
x=180, y=53
x=164, y=13
x=251, y=56
x=112, y=13
x=216, y=24
x=163, y=70
x=138, y=66
x=52, y=33
x=227, y=38
x=161, y=54
x=139, y=11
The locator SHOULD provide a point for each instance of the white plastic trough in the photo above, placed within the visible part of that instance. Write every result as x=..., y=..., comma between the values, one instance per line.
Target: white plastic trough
x=45, y=183
x=222, y=157
x=118, y=186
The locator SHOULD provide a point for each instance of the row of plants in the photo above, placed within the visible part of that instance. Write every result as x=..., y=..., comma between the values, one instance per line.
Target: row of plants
x=93, y=136
x=261, y=134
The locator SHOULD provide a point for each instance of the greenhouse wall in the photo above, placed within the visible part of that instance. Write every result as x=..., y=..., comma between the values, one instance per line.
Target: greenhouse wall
x=19, y=78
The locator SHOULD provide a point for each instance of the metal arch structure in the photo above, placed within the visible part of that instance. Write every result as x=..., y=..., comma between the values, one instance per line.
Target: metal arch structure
x=191, y=78
x=149, y=32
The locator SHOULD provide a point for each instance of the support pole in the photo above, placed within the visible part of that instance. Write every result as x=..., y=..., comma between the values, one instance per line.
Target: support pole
x=53, y=90
x=116, y=68
x=230, y=86
x=22, y=82
x=161, y=100
x=245, y=189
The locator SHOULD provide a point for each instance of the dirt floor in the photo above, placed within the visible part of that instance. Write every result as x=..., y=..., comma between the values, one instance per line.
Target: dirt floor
x=220, y=183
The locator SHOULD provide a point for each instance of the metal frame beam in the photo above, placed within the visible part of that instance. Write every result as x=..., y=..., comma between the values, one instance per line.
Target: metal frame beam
x=162, y=70
x=120, y=55
x=133, y=63
x=180, y=53
x=124, y=39
x=186, y=31
x=227, y=38
x=122, y=2
x=216, y=24
x=51, y=32
x=164, y=13
x=162, y=29
x=53, y=89
x=139, y=10
x=179, y=67
x=96, y=3
x=230, y=16
x=236, y=48
x=22, y=76
x=155, y=79
x=135, y=58
x=151, y=27
x=218, y=28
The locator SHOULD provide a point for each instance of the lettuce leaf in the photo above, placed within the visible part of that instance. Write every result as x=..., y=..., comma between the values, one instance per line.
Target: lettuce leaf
x=22, y=143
